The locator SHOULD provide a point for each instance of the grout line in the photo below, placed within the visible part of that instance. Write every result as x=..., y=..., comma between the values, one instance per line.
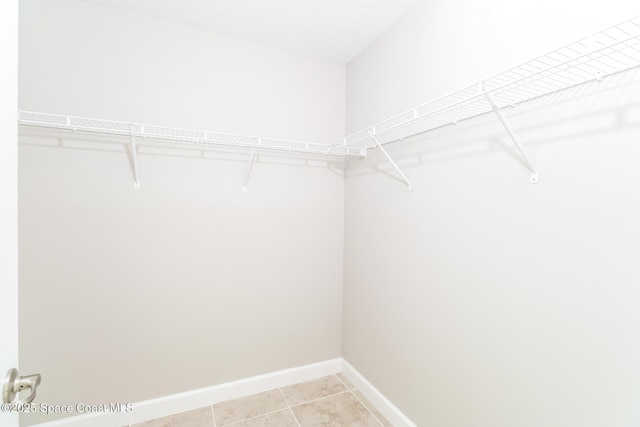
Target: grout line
x=367, y=408
x=289, y=406
x=320, y=398
x=213, y=415
x=358, y=399
x=345, y=384
x=253, y=418
x=285, y=399
x=294, y=417
x=266, y=413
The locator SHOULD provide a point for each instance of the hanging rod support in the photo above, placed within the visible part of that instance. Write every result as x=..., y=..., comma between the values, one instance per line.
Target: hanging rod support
x=390, y=160
x=134, y=163
x=245, y=186
x=514, y=137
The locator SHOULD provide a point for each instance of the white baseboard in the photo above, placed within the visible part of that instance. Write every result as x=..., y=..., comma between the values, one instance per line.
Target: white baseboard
x=176, y=403
x=377, y=399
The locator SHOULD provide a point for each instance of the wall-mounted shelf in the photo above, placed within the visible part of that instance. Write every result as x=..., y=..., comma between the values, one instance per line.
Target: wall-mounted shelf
x=611, y=51
x=608, y=52
x=180, y=136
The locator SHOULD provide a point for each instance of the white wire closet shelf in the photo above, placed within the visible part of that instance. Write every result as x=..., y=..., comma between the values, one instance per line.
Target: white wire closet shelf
x=612, y=51
x=608, y=52
x=178, y=135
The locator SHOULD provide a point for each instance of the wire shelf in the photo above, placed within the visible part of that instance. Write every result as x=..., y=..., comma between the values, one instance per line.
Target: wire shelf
x=594, y=58
x=181, y=136
x=611, y=51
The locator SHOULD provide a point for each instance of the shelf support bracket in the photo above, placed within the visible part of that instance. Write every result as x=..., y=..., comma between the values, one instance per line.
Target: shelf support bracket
x=134, y=162
x=245, y=186
x=404, y=177
x=514, y=137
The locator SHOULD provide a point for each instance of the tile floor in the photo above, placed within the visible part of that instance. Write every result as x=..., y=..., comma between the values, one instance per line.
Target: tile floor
x=327, y=401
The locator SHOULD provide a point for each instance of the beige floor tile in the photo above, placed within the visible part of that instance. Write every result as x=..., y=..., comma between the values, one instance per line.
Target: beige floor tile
x=343, y=410
x=241, y=409
x=276, y=419
x=368, y=404
x=314, y=389
x=197, y=418
x=346, y=382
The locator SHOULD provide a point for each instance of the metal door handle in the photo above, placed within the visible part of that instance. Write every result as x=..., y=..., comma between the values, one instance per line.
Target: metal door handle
x=14, y=384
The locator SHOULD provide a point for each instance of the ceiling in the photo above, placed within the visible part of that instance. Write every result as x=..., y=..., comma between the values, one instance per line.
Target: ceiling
x=336, y=30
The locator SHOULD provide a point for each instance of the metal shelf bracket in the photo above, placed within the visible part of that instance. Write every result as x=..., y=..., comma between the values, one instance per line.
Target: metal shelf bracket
x=404, y=177
x=512, y=134
x=245, y=186
x=134, y=162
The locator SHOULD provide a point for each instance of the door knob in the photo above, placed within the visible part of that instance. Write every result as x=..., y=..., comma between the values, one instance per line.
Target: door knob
x=14, y=384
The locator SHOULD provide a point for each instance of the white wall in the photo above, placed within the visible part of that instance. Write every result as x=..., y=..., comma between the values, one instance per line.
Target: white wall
x=480, y=299
x=82, y=59
x=127, y=295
